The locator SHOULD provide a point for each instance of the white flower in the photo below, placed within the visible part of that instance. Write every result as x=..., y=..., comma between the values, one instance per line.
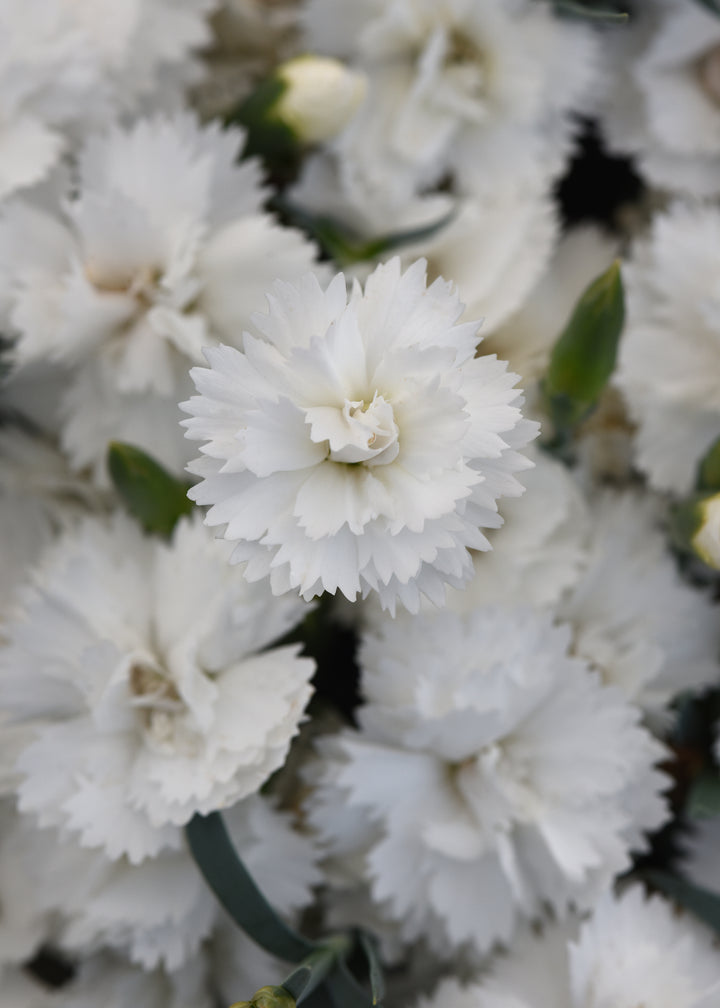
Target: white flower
x=540, y=550
x=670, y=351
x=137, y=665
x=634, y=619
x=159, y=912
x=446, y=79
x=633, y=952
x=108, y=980
x=492, y=775
x=48, y=80
x=67, y=66
x=39, y=497
x=663, y=101
x=164, y=250
x=146, y=49
x=359, y=445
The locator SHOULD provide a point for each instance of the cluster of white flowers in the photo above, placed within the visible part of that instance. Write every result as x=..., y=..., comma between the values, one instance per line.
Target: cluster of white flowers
x=301, y=551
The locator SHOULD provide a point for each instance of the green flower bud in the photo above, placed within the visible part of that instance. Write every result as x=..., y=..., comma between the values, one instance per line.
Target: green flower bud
x=268, y=997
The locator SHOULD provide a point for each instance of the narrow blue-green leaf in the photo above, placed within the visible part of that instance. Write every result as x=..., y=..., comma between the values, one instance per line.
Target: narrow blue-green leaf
x=703, y=904
x=236, y=890
x=151, y=495
x=583, y=358
x=344, y=245
x=377, y=981
x=581, y=10
x=704, y=797
x=708, y=473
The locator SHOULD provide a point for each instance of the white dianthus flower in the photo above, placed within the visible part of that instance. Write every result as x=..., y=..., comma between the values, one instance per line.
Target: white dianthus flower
x=541, y=549
x=67, y=66
x=670, y=352
x=633, y=952
x=140, y=667
x=359, y=444
x=447, y=78
x=159, y=912
x=663, y=98
x=492, y=775
x=164, y=250
x=109, y=980
x=634, y=619
x=39, y=497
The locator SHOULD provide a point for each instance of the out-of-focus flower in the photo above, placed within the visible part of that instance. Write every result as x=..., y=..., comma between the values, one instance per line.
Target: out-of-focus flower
x=159, y=912
x=634, y=619
x=140, y=668
x=164, y=250
x=358, y=445
x=663, y=95
x=66, y=67
x=632, y=951
x=448, y=80
x=492, y=775
x=541, y=549
x=670, y=351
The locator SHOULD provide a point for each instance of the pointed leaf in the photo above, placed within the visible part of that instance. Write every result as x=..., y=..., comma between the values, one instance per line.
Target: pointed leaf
x=236, y=890
x=151, y=495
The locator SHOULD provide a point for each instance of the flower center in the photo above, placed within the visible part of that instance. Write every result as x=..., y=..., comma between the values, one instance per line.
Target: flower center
x=154, y=697
x=141, y=285
x=357, y=432
x=708, y=71
x=464, y=65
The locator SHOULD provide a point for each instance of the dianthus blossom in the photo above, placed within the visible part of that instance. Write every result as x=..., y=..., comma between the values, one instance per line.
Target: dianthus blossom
x=670, y=351
x=163, y=249
x=492, y=775
x=357, y=444
x=143, y=671
x=631, y=952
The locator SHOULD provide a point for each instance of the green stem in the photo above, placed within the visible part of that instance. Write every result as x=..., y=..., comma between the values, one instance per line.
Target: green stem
x=236, y=890
x=312, y=971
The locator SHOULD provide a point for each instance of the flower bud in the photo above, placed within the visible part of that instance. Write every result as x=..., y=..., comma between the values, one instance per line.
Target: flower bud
x=706, y=541
x=321, y=95
x=268, y=997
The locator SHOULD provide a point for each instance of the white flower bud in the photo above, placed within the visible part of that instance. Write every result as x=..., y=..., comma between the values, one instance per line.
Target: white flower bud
x=706, y=541
x=321, y=96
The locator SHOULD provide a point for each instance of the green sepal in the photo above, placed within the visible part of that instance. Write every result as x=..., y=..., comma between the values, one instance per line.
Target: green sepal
x=575, y=9
x=377, y=982
x=267, y=136
x=236, y=890
x=583, y=357
x=708, y=473
x=272, y=996
x=701, y=903
x=155, y=498
x=315, y=968
x=704, y=798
